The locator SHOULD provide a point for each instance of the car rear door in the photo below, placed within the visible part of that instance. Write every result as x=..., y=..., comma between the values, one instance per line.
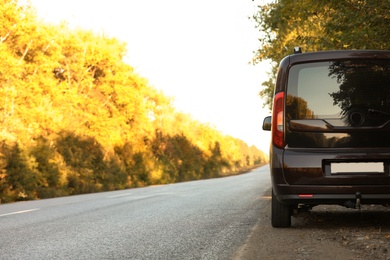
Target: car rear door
x=337, y=119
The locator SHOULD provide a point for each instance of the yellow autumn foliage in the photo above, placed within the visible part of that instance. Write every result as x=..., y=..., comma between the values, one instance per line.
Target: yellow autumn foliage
x=76, y=118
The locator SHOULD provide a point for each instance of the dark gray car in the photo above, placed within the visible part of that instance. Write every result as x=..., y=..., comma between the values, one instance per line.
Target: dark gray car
x=330, y=131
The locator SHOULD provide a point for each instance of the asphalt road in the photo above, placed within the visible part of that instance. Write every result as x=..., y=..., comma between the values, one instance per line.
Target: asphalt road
x=208, y=219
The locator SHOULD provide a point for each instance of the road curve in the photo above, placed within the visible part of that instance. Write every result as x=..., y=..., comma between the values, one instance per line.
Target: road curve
x=207, y=219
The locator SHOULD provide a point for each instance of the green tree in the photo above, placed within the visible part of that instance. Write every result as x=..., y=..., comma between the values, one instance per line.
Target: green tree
x=318, y=25
x=44, y=154
x=22, y=175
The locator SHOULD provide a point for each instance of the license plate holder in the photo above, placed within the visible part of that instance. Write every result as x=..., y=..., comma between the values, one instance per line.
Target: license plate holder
x=357, y=168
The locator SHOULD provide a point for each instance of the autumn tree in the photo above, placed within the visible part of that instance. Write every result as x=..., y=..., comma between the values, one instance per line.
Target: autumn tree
x=76, y=118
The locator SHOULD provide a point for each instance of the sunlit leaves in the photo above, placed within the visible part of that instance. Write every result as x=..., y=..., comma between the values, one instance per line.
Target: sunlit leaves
x=76, y=118
x=318, y=25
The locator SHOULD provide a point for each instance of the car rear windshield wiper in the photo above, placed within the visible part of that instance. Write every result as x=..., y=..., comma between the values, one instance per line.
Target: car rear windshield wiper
x=379, y=112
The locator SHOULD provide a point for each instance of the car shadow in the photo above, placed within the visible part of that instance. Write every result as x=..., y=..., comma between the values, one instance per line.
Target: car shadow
x=338, y=217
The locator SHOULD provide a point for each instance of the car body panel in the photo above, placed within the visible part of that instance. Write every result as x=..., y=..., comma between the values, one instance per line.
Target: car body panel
x=315, y=145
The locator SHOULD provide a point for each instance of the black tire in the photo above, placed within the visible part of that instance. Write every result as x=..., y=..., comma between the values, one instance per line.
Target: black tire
x=281, y=214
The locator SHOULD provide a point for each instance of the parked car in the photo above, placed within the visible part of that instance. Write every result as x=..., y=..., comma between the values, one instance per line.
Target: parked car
x=330, y=131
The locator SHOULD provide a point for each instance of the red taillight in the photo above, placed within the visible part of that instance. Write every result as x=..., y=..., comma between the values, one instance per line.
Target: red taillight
x=277, y=120
x=305, y=196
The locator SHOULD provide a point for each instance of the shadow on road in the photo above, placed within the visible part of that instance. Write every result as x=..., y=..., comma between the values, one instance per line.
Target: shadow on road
x=325, y=232
x=336, y=217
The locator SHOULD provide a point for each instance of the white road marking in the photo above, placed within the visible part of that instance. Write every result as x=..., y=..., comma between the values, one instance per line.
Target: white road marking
x=140, y=197
x=18, y=212
x=121, y=195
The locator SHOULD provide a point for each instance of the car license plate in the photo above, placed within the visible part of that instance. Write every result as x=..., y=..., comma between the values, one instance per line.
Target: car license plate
x=357, y=167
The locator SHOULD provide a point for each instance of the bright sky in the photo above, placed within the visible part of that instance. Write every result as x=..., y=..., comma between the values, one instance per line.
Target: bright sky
x=195, y=51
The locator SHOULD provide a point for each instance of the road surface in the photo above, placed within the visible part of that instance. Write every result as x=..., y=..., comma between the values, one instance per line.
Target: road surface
x=207, y=219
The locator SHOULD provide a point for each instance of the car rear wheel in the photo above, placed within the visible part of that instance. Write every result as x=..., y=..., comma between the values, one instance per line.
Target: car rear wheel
x=281, y=213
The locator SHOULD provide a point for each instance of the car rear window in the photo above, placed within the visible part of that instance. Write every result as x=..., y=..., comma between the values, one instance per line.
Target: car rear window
x=331, y=89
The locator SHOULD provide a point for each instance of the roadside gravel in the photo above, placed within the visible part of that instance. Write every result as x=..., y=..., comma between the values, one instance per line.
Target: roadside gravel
x=326, y=232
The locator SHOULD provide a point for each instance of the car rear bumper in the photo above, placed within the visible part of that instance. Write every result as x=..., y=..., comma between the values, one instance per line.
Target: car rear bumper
x=313, y=195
